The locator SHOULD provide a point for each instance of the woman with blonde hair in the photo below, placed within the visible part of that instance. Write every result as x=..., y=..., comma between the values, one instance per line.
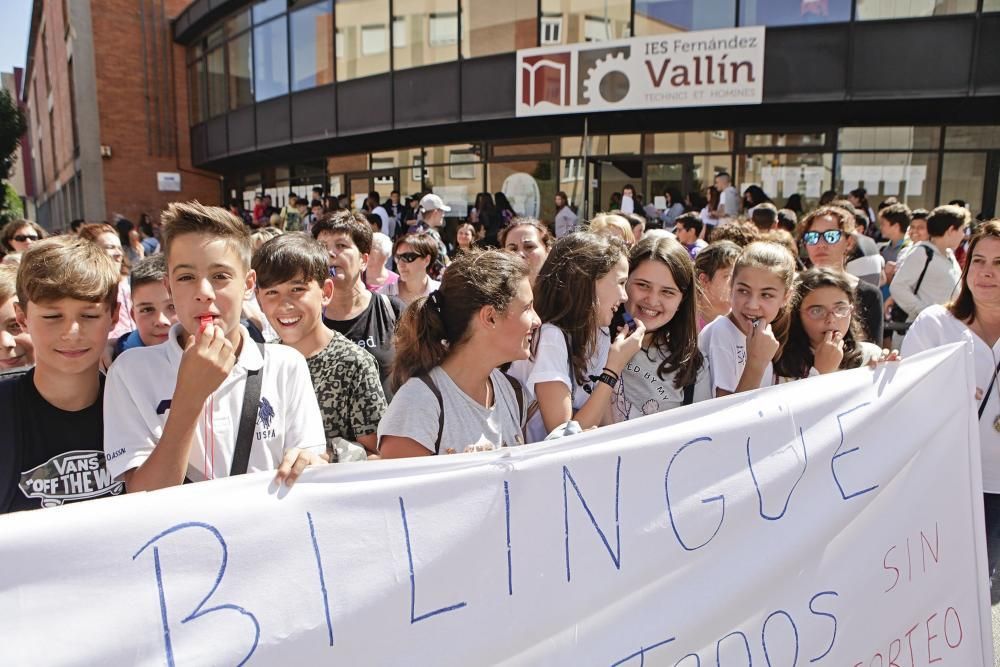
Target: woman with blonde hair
x=613, y=224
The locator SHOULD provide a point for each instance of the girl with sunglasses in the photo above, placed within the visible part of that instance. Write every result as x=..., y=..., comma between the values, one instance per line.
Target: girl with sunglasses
x=414, y=253
x=575, y=364
x=18, y=236
x=824, y=334
x=827, y=234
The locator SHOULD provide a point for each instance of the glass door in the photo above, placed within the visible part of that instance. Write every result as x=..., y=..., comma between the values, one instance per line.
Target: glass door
x=610, y=178
x=667, y=181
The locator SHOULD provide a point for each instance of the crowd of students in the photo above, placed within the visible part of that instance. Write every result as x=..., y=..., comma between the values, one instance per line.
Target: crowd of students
x=158, y=369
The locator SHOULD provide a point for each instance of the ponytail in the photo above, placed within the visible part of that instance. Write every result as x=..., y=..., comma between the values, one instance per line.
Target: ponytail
x=420, y=340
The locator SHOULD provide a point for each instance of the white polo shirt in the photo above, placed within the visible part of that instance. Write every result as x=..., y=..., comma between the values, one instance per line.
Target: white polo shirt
x=140, y=386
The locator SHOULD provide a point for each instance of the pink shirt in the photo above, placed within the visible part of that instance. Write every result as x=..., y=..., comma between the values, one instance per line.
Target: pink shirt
x=391, y=279
x=125, y=322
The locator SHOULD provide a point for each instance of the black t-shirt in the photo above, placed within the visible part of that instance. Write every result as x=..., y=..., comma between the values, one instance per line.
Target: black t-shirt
x=373, y=330
x=61, y=453
x=869, y=299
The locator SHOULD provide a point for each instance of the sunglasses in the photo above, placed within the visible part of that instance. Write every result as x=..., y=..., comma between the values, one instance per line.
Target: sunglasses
x=831, y=236
x=408, y=257
x=21, y=238
x=822, y=312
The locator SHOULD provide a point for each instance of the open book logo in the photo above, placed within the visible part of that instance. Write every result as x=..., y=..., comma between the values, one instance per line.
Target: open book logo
x=546, y=79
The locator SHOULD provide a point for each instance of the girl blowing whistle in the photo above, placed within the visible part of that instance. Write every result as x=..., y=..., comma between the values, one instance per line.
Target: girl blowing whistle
x=741, y=347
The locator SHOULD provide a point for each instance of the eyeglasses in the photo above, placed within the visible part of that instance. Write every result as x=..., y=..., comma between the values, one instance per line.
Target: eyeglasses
x=822, y=312
x=21, y=238
x=408, y=257
x=831, y=236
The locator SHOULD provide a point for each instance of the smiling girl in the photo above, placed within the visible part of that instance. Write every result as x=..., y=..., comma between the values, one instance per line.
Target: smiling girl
x=575, y=365
x=669, y=370
x=742, y=346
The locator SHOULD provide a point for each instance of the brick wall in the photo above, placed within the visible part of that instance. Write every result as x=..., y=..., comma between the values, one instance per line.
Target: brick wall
x=143, y=108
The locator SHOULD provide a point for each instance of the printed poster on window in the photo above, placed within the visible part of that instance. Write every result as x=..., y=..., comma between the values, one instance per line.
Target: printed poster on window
x=692, y=69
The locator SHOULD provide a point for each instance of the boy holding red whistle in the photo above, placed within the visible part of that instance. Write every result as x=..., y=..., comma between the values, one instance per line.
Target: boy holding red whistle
x=213, y=403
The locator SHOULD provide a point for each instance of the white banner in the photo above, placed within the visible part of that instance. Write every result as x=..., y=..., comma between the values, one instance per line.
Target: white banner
x=690, y=69
x=830, y=521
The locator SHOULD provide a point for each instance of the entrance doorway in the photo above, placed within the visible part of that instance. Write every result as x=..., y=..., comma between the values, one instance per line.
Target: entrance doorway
x=383, y=181
x=610, y=177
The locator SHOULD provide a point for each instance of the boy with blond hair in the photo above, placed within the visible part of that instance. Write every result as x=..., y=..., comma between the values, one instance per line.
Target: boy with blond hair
x=51, y=422
x=15, y=345
x=209, y=402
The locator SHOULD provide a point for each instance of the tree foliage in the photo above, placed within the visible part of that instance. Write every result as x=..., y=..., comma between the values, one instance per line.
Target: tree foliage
x=12, y=127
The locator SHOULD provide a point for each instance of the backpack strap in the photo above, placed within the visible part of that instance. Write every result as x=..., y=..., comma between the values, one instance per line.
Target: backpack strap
x=930, y=256
x=426, y=379
x=248, y=419
x=688, y=394
x=515, y=384
x=10, y=441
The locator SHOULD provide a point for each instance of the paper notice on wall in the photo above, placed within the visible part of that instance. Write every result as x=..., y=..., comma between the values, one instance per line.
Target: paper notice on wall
x=891, y=176
x=915, y=176
x=790, y=180
x=814, y=180
x=455, y=196
x=871, y=176
x=850, y=175
x=769, y=180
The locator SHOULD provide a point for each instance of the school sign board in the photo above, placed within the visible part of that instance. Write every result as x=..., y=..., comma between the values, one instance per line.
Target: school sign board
x=688, y=69
x=834, y=521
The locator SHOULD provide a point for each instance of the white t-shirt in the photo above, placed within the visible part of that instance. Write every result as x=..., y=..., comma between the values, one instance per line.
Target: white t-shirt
x=468, y=425
x=393, y=288
x=140, y=387
x=935, y=326
x=729, y=201
x=725, y=347
x=565, y=221
x=869, y=352
x=551, y=364
x=642, y=392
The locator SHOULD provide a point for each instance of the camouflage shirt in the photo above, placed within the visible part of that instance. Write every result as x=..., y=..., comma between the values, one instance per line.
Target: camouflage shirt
x=348, y=390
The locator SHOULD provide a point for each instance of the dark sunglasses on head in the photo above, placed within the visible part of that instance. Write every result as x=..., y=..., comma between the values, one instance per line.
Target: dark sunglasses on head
x=408, y=257
x=21, y=238
x=831, y=236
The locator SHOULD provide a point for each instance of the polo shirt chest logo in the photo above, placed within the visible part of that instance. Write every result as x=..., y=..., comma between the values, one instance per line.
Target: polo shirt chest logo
x=265, y=415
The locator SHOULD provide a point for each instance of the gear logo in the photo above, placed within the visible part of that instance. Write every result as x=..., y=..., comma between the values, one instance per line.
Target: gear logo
x=607, y=81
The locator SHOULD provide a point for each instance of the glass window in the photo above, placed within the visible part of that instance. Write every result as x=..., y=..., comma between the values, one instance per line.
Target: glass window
x=490, y=27
x=898, y=9
x=888, y=138
x=572, y=180
x=458, y=193
x=240, y=71
x=442, y=154
x=216, y=60
x=196, y=92
x=312, y=51
x=395, y=158
x=705, y=168
x=237, y=23
x=991, y=6
x=782, y=175
x=573, y=21
x=214, y=38
x=265, y=9
x=270, y=60
x=625, y=144
x=963, y=177
x=657, y=17
x=793, y=12
x=718, y=141
x=973, y=137
x=909, y=176
x=529, y=185
x=574, y=146
x=362, y=38
x=812, y=140
x=430, y=28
